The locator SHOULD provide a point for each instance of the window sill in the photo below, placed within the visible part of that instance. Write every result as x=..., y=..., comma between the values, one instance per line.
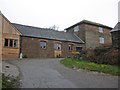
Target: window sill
x=43, y=48
x=11, y=47
x=57, y=50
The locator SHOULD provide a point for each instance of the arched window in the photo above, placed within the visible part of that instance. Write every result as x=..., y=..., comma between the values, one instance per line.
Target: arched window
x=43, y=44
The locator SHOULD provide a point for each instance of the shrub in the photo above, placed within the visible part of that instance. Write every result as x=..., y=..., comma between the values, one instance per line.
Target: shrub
x=10, y=82
x=103, y=55
x=25, y=56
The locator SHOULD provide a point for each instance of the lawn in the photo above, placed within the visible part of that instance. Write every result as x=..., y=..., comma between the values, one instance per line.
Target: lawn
x=91, y=66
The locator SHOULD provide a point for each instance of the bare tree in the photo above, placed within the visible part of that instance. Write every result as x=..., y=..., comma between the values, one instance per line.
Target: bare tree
x=54, y=27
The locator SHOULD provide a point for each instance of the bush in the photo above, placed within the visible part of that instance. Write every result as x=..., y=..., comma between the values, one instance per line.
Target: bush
x=103, y=55
x=10, y=82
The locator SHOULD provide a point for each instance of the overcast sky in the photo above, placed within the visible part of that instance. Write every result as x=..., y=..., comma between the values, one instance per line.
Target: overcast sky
x=63, y=13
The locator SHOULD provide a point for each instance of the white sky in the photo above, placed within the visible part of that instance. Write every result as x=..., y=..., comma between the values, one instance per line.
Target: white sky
x=63, y=13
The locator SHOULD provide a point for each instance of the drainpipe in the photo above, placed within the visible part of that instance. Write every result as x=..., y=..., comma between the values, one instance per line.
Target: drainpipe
x=21, y=55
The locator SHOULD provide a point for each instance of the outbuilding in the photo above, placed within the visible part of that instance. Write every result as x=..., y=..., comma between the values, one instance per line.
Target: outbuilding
x=35, y=42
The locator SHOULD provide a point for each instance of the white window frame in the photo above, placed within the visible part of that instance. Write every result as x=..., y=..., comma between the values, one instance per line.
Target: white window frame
x=43, y=44
x=57, y=46
x=102, y=40
x=70, y=47
x=76, y=28
x=12, y=43
x=101, y=30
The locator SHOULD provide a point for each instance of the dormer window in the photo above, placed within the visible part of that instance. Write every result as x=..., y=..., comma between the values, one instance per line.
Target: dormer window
x=100, y=29
x=76, y=28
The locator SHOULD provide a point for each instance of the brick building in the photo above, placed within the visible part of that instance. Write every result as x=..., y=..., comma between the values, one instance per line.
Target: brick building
x=36, y=42
x=93, y=34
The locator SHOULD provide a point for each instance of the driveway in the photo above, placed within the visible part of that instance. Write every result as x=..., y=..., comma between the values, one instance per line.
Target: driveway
x=49, y=73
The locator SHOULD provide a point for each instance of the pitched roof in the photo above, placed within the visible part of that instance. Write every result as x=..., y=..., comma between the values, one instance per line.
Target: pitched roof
x=89, y=22
x=116, y=28
x=46, y=33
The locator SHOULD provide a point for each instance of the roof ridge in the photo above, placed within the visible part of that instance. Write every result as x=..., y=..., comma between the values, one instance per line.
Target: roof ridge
x=94, y=22
x=36, y=27
x=28, y=26
x=89, y=22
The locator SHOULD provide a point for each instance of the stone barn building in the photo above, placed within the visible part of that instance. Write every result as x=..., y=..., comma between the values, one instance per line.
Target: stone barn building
x=35, y=42
x=93, y=34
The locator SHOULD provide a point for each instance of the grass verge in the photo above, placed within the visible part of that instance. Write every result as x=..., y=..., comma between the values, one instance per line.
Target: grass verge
x=10, y=82
x=0, y=81
x=91, y=66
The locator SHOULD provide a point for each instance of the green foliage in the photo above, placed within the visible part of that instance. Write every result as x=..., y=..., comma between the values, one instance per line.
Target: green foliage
x=81, y=64
x=10, y=82
x=0, y=81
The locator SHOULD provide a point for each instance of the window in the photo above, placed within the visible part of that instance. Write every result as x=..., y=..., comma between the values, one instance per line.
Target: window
x=43, y=44
x=101, y=39
x=78, y=48
x=70, y=47
x=57, y=46
x=6, y=43
x=11, y=43
x=100, y=29
x=76, y=28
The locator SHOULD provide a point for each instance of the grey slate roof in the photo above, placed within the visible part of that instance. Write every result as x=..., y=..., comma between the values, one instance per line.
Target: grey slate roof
x=89, y=22
x=116, y=28
x=46, y=33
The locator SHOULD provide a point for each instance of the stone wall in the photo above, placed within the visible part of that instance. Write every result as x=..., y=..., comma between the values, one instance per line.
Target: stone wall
x=90, y=35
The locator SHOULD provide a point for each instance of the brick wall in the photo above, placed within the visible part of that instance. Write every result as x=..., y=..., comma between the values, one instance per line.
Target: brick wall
x=31, y=48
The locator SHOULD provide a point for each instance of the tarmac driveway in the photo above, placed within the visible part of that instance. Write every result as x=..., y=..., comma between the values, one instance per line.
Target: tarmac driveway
x=49, y=73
